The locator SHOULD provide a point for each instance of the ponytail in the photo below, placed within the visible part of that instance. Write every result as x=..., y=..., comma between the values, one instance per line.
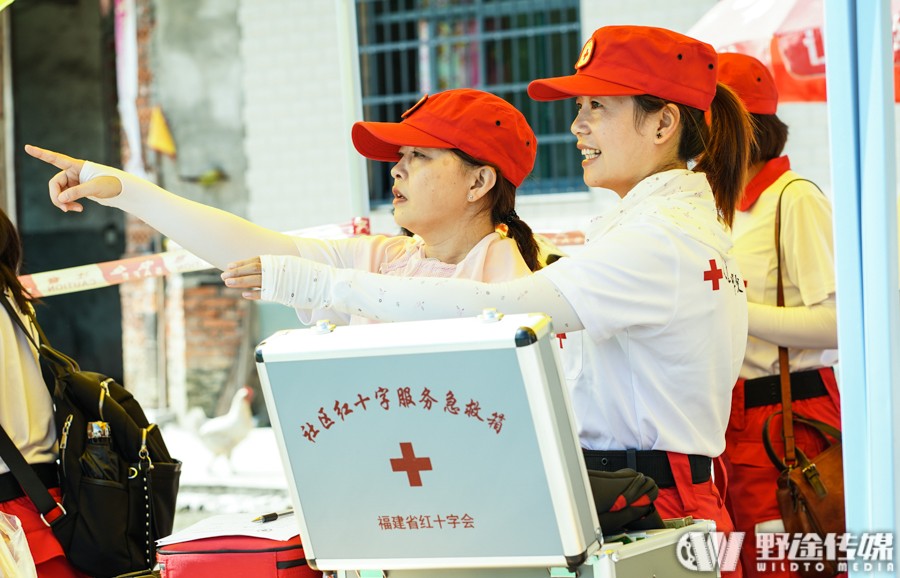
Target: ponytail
x=727, y=152
x=721, y=150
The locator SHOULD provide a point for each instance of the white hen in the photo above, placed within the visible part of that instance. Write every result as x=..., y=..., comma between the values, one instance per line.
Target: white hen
x=220, y=435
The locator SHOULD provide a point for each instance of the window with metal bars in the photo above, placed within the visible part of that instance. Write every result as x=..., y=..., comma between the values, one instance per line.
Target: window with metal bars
x=411, y=47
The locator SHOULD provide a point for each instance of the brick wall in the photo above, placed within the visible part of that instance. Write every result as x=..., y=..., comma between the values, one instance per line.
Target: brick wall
x=209, y=342
x=215, y=355
x=183, y=336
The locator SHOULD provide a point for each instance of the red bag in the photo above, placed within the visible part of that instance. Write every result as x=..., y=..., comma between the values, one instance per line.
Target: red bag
x=235, y=557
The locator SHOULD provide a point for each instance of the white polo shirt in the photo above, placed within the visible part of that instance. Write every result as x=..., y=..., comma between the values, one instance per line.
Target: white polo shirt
x=665, y=317
x=808, y=250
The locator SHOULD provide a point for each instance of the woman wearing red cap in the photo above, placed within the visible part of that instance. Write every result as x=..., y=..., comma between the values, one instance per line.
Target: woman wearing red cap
x=658, y=297
x=806, y=325
x=459, y=156
x=661, y=362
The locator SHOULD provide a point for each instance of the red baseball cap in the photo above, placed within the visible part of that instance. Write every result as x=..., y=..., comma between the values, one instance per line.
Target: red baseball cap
x=478, y=123
x=633, y=60
x=751, y=80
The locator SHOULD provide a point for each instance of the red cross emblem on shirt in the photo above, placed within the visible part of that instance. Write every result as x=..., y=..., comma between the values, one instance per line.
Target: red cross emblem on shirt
x=714, y=274
x=410, y=464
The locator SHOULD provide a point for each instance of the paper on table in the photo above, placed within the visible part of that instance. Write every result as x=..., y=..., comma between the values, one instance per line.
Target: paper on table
x=284, y=528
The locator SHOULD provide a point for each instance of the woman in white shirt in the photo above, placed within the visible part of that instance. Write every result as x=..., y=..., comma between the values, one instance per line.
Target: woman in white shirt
x=654, y=296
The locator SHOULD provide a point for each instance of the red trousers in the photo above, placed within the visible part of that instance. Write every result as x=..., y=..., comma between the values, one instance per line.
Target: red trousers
x=752, y=475
x=702, y=501
x=49, y=558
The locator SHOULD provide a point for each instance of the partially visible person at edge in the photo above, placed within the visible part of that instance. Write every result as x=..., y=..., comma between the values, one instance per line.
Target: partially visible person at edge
x=26, y=413
x=659, y=299
x=806, y=325
x=459, y=156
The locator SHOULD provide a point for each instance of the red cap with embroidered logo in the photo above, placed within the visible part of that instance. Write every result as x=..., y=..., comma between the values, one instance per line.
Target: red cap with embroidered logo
x=478, y=123
x=634, y=60
x=751, y=80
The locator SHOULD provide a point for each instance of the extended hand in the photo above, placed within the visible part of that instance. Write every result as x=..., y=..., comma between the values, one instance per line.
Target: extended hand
x=66, y=187
x=246, y=274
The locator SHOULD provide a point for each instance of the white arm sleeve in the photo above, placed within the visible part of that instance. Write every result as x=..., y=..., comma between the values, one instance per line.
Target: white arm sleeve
x=212, y=234
x=304, y=284
x=813, y=327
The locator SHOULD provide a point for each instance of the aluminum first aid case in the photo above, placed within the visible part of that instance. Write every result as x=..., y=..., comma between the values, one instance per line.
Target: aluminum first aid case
x=433, y=444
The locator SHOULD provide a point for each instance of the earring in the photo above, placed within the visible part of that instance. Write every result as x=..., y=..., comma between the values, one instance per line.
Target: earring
x=471, y=197
x=659, y=135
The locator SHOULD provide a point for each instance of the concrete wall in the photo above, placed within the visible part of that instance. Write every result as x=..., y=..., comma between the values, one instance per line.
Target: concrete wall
x=301, y=97
x=301, y=93
x=197, y=81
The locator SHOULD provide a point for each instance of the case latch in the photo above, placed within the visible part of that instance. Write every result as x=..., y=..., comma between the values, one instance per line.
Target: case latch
x=490, y=315
x=323, y=326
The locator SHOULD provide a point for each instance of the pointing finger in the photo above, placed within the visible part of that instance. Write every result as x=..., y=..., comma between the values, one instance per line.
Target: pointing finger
x=58, y=160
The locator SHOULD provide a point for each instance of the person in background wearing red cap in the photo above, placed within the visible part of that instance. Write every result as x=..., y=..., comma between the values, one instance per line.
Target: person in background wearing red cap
x=459, y=156
x=806, y=325
x=659, y=299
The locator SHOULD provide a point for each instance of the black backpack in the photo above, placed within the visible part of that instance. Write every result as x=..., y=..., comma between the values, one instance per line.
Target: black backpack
x=119, y=494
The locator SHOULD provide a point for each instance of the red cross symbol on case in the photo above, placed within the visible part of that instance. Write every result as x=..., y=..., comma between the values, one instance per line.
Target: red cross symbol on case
x=409, y=463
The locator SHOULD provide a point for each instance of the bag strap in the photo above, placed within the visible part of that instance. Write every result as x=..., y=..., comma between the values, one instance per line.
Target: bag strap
x=59, y=361
x=820, y=427
x=14, y=316
x=790, y=456
x=51, y=510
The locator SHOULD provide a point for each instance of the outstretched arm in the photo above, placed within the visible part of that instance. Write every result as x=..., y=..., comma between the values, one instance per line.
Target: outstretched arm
x=305, y=284
x=212, y=234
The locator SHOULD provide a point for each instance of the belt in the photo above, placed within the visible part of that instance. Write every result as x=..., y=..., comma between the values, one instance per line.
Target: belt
x=767, y=390
x=652, y=463
x=10, y=488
